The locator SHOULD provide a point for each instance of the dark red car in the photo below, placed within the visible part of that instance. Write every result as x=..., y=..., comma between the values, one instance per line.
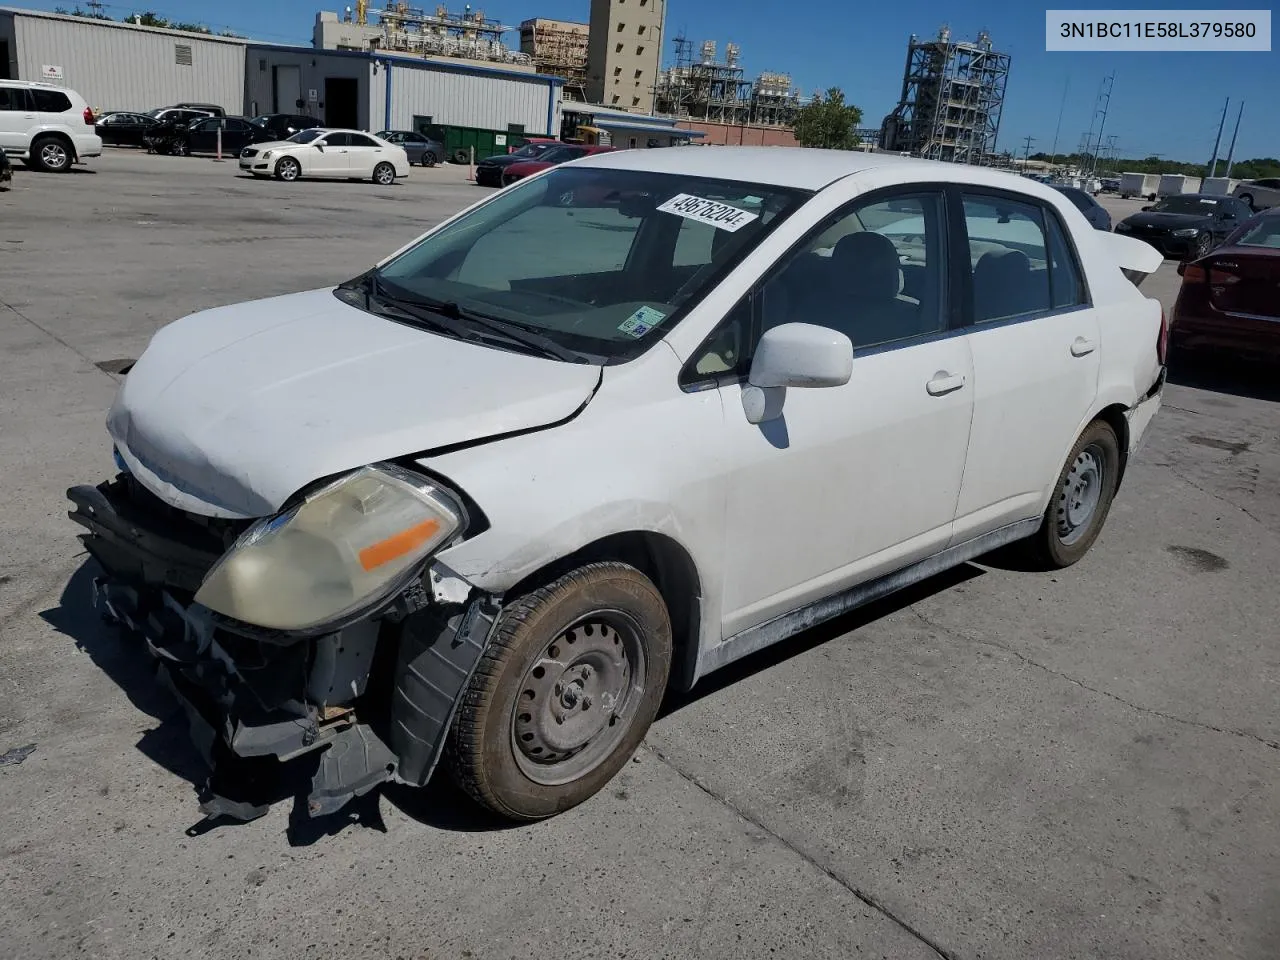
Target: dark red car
x=1230, y=299
x=553, y=157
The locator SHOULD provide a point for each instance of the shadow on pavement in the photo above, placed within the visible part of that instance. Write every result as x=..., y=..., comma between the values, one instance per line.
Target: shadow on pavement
x=1218, y=374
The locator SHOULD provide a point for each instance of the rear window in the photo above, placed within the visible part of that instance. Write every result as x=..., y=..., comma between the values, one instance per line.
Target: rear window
x=1264, y=233
x=51, y=101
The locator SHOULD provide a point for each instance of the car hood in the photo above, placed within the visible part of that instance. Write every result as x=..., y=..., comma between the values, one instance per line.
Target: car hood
x=275, y=145
x=230, y=412
x=1171, y=221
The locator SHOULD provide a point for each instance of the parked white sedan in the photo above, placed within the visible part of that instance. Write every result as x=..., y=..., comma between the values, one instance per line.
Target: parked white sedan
x=491, y=499
x=327, y=153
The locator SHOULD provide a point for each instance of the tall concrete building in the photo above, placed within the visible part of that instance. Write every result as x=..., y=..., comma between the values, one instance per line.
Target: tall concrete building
x=624, y=52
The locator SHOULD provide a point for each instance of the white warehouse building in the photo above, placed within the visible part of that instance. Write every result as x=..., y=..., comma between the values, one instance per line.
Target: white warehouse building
x=124, y=66
x=121, y=66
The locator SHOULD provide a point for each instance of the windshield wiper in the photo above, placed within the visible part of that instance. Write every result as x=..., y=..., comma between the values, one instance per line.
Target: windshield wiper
x=459, y=321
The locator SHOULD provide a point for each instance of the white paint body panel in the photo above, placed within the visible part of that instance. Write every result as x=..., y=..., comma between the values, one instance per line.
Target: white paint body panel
x=335, y=162
x=234, y=410
x=231, y=411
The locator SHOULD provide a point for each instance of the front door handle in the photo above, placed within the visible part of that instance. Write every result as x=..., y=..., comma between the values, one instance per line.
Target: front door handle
x=944, y=383
x=1082, y=347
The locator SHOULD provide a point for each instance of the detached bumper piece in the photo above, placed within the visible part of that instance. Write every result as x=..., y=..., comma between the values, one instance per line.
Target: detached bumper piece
x=278, y=715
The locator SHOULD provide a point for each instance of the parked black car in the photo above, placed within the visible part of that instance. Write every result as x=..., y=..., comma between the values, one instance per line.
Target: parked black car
x=123, y=129
x=1093, y=211
x=6, y=171
x=418, y=147
x=237, y=133
x=1188, y=225
x=210, y=108
x=489, y=170
x=176, y=114
x=282, y=126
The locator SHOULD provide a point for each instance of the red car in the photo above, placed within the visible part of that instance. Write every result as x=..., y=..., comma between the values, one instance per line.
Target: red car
x=1230, y=299
x=553, y=157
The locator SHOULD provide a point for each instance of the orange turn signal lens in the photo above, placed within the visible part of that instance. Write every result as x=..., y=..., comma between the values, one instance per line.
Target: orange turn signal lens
x=397, y=545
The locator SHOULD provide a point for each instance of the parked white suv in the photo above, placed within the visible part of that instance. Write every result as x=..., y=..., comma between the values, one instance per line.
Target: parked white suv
x=602, y=433
x=50, y=127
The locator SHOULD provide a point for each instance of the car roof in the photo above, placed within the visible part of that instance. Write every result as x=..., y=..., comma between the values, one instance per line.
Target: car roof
x=804, y=168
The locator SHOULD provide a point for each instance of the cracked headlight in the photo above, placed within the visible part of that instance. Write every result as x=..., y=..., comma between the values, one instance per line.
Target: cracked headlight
x=346, y=546
x=1187, y=232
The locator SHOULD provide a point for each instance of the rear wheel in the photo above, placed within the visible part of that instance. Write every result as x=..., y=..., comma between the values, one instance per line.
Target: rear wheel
x=51, y=155
x=564, y=694
x=429, y=159
x=384, y=174
x=1081, y=500
x=180, y=148
x=288, y=169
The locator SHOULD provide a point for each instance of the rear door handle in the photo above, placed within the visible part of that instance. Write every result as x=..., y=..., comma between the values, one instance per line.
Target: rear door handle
x=1082, y=347
x=944, y=383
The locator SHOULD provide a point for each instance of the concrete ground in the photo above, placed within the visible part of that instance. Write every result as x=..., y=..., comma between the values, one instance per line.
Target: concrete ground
x=997, y=764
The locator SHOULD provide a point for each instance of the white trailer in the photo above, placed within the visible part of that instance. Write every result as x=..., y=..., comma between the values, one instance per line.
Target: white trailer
x=1219, y=186
x=1142, y=185
x=1173, y=184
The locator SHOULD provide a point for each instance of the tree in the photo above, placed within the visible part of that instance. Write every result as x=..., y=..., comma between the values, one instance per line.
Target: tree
x=80, y=12
x=828, y=122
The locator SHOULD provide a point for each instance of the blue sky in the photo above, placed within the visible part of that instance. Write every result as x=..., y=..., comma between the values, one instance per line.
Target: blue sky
x=1163, y=103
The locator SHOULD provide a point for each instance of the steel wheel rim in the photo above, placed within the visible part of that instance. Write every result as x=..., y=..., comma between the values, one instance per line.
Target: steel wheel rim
x=1080, y=494
x=578, y=698
x=384, y=174
x=53, y=155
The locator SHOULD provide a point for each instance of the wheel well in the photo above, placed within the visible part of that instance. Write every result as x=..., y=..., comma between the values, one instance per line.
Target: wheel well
x=673, y=572
x=55, y=135
x=1114, y=416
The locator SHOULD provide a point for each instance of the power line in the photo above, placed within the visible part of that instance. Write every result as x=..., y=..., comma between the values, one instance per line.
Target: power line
x=1027, y=154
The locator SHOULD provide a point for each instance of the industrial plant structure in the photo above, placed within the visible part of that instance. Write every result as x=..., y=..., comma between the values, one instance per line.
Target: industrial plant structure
x=416, y=31
x=952, y=95
x=704, y=88
x=558, y=48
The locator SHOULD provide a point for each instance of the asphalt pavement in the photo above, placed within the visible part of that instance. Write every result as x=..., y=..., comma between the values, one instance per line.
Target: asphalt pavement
x=996, y=764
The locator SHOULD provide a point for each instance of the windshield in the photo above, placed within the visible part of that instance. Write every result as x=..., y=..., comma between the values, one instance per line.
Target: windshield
x=260, y=121
x=1264, y=233
x=533, y=149
x=1197, y=205
x=600, y=261
x=306, y=136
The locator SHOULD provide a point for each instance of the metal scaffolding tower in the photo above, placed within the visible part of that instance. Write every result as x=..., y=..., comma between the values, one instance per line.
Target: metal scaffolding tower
x=952, y=95
x=703, y=88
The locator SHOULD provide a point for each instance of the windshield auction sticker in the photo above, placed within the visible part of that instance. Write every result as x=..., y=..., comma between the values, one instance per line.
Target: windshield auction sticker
x=719, y=215
x=1158, y=30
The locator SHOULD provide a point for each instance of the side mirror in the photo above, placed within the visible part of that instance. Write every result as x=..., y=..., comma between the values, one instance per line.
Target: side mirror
x=794, y=355
x=320, y=147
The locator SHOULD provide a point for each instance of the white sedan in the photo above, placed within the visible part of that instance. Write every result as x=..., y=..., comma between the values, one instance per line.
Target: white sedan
x=555, y=458
x=327, y=153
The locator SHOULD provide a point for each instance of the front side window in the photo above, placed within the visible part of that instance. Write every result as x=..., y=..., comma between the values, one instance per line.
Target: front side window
x=306, y=136
x=599, y=261
x=1008, y=256
x=1263, y=233
x=13, y=99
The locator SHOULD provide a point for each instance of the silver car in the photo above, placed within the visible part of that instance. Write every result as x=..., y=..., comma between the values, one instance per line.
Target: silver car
x=1259, y=194
x=420, y=148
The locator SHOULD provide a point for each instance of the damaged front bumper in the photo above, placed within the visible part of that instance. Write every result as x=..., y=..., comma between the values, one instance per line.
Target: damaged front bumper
x=274, y=714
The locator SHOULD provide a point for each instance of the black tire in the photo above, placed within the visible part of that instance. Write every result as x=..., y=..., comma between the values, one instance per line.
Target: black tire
x=384, y=174
x=1058, y=543
x=461, y=156
x=180, y=148
x=542, y=651
x=52, y=154
x=429, y=158
x=288, y=169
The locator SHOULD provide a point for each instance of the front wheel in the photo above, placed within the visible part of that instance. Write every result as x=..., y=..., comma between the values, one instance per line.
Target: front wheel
x=565, y=693
x=180, y=148
x=288, y=169
x=429, y=159
x=1204, y=244
x=1081, y=500
x=384, y=174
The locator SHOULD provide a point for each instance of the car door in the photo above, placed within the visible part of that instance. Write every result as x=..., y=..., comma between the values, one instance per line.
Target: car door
x=855, y=481
x=1230, y=214
x=202, y=135
x=1035, y=342
x=17, y=115
x=327, y=157
x=363, y=154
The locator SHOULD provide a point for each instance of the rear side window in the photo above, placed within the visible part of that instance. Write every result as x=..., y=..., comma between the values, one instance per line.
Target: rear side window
x=356, y=140
x=1066, y=279
x=1080, y=199
x=1008, y=256
x=13, y=98
x=51, y=101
